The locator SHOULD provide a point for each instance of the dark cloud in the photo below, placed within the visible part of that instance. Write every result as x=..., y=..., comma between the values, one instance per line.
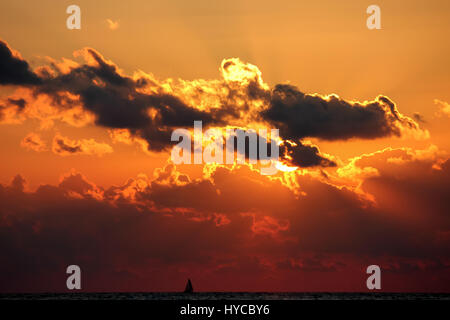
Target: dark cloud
x=60, y=146
x=19, y=103
x=250, y=137
x=234, y=225
x=295, y=154
x=332, y=219
x=118, y=102
x=300, y=115
x=305, y=155
x=14, y=70
x=418, y=117
x=119, y=246
x=64, y=146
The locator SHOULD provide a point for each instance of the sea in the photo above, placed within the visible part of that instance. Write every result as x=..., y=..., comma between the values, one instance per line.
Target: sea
x=226, y=296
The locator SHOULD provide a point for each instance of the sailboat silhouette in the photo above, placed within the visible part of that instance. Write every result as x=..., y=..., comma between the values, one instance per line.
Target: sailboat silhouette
x=189, y=288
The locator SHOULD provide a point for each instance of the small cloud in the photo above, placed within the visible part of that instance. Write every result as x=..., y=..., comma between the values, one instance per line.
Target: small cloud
x=63, y=146
x=112, y=25
x=418, y=117
x=33, y=142
x=444, y=108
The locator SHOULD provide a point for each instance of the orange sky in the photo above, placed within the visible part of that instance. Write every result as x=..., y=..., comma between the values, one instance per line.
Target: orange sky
x=321, y=47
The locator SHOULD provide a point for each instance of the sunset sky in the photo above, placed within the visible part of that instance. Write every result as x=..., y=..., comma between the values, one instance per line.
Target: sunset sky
x=86, y=116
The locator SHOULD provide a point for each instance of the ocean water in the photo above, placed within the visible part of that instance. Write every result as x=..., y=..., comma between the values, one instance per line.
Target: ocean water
x=225, y=296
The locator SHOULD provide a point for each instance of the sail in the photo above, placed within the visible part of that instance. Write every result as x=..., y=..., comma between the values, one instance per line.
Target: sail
x=189, y=288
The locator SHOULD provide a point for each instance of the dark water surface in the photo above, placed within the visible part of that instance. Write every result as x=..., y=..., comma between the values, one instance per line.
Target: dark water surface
x=225, y=296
